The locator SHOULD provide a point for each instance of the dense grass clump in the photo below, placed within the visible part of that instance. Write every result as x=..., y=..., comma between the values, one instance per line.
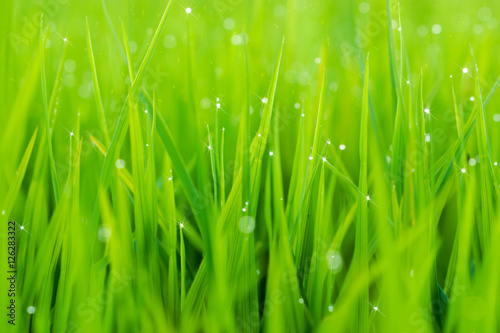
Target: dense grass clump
x=247, y=166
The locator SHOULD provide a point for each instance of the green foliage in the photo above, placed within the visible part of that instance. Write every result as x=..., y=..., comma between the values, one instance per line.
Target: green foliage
x=234, y=166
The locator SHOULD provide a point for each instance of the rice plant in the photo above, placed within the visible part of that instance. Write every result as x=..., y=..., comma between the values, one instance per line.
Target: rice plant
x=249, y=166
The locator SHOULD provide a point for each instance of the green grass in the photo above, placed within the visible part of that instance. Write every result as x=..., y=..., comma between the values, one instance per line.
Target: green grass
x=250, y=166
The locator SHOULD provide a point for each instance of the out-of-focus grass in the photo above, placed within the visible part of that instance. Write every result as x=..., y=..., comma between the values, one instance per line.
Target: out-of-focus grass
x=245, y=166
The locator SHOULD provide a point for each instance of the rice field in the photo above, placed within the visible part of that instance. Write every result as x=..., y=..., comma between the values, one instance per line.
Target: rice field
x=249, y=166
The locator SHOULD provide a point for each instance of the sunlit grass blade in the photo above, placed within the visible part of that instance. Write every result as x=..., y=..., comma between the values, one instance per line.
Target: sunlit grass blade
x=97, y=92
x=121, y=127
x=11, y=195
x=359, y=314
x=53, y=173
x=486, y=177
